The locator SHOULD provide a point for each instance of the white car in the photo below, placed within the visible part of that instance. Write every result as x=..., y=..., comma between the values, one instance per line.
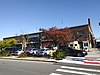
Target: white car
x=40, y=52
x=47, y=51
x=32, y=51
x=18, y=52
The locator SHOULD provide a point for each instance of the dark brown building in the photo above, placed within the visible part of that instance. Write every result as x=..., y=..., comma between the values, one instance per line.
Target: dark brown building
x=83, y=33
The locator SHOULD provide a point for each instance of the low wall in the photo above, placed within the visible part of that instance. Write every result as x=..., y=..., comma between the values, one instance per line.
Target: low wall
x=94, y=52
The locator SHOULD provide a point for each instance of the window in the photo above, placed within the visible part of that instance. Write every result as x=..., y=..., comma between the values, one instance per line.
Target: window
x=80, y=32
x=85, y=44
x=43, y=37
x=34, y=39
x=75, y=44
x=71, y=45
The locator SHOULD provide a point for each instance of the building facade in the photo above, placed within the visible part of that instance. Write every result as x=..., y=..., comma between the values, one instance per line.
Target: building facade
x=82, y=37
x=27, y=40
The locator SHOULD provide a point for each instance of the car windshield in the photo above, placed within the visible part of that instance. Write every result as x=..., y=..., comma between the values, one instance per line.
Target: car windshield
x=47, y=49
x=41, y=49
x=33, y=49
x=19, y=50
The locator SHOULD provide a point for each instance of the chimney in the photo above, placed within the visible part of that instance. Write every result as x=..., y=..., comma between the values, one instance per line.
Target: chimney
x=89, y=24
x=89, y=21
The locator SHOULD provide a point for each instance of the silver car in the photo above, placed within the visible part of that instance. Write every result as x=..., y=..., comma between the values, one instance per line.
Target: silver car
x=32, y=51
x=40, y=52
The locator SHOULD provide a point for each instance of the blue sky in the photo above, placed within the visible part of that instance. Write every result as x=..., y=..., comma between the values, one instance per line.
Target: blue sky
x=27, y=16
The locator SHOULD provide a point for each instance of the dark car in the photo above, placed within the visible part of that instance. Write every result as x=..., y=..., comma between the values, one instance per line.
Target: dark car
x=73, y=52
x=12, y=50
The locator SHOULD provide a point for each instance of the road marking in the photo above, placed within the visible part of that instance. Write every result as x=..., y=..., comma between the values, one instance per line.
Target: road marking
x=94, y=70
x=75, y=72
x=55, y=74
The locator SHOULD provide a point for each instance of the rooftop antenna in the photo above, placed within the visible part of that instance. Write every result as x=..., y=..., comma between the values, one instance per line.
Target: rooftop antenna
x=61, y=20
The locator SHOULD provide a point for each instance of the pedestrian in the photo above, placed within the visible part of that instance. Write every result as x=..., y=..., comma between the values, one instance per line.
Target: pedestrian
x=52, y=51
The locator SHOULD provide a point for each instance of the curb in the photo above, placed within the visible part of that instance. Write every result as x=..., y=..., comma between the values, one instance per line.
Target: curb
x=82, y=61
x=78, y=63
x=86, y=60
x=28, y=59
x=91, y=62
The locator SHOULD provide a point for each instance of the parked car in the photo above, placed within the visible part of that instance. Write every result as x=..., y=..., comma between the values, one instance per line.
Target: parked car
x=40, y=52
x=47, y=51
x=73, y=52
x=11, y=50
x=18, y=52
x=98, y=46
x=32, y=51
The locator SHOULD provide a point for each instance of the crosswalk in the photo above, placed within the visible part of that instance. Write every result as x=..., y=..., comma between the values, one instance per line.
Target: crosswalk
x=72, y=70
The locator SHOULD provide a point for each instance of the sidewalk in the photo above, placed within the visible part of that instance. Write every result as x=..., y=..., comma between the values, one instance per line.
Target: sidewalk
x=81, y=61
x=26, y=58
x=94, y=53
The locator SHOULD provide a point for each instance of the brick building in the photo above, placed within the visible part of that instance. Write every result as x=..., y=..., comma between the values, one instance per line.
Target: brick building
x=82, y=36
x=27, y=40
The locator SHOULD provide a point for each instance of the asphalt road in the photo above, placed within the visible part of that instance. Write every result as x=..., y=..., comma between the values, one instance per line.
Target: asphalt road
x=20, y=67
x=17, y=67
x=76, y=69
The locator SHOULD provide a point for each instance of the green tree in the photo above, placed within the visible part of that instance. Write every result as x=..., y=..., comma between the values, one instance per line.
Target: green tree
x=6, y=44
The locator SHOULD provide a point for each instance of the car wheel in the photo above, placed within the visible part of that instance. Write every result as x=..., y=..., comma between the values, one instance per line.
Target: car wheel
x=45, y=54
x=79, y=54
x=33, y=53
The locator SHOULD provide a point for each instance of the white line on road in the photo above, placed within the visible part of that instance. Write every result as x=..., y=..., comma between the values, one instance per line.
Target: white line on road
x=55, y=74
x=94, y=70
x=75, y=72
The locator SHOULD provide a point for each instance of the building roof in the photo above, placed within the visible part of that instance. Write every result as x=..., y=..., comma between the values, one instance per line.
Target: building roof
x=22, y=34
x=78, y=26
